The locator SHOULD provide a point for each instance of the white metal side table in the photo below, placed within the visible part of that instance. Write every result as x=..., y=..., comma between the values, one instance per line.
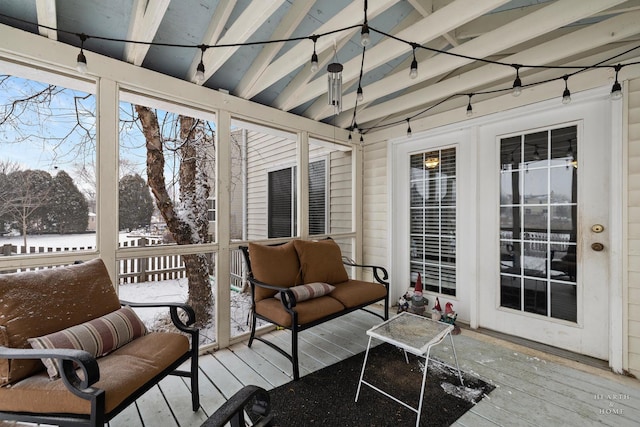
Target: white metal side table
x=414, y=334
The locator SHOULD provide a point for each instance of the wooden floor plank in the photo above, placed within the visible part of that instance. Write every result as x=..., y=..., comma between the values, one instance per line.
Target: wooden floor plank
x=261, y=365
x=178, y=397
x=154, y=409
x=532, y=388
x=240, y=369
x=129, y=417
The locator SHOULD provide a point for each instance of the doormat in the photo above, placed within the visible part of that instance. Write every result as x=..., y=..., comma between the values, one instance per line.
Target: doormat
x=327, y=397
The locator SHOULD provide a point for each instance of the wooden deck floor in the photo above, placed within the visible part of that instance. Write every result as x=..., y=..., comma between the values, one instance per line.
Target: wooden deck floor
x=532, y=388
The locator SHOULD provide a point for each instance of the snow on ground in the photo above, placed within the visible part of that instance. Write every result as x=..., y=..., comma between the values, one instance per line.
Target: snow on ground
x=160, y=291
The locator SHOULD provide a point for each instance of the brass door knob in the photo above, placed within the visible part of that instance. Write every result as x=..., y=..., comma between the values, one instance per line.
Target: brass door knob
x=597, y=246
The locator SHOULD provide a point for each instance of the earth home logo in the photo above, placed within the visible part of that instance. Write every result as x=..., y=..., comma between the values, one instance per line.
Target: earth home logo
x=612, y=400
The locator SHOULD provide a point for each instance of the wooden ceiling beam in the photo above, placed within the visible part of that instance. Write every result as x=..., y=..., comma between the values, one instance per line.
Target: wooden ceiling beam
x=301, y=53
x=553, y=16
x=46, y=10
x=427, y=29
x=144, y=24
x=612, y=30
x=286, y=27
x=251, y=18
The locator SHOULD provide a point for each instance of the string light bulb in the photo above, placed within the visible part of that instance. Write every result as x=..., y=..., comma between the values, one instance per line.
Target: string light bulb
x=413, y=71
x=469, y=107
x=408, y=128
x=365, y=37
x=517, y=83
x=616, y=89
x=566, y=95
x=81, y=62
x=314, y=56
x=199, y=77
x=360, y=95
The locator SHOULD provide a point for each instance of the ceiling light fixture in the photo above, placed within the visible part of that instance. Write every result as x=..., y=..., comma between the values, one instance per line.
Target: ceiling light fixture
x=431, y=162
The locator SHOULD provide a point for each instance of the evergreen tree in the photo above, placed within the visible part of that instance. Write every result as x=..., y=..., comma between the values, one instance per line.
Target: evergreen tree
x=68, y=210
x=136, y=203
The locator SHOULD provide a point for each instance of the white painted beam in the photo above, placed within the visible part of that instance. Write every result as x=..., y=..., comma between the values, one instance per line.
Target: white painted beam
x=429, y=28
x=614, y=29
x=144, y=24
x=247, y=23
x=46, y=10
x=351, y=15
x=286, y=27
x=216, y=26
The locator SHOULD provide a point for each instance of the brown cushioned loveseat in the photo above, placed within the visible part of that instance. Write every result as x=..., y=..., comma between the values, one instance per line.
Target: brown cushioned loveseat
x=71, y=316
x=302, y=283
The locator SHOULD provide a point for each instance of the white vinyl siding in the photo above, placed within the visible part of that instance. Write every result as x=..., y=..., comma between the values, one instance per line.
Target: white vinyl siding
x=633, y=307
x=375, y=206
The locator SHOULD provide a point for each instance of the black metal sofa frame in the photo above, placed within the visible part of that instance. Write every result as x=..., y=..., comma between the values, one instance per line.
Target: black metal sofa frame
x=289, y=303
x=82, y=386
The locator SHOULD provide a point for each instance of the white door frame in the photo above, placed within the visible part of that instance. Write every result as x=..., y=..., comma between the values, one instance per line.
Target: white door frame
x=466, y=137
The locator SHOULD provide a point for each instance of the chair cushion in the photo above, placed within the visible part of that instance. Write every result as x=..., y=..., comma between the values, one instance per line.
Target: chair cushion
x=321, y=261
x=121, y=373
x=353, y=293
x=309, y=291
x=37, y=303
x=274, y=265
x=308, y=311
x=98, y=336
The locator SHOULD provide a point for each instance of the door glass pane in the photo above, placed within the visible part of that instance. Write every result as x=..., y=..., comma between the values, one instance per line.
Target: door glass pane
x=433, y=220
x=538, y=231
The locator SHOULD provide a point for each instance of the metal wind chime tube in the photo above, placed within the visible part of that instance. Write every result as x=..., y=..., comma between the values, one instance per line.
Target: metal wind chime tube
x=334, y=76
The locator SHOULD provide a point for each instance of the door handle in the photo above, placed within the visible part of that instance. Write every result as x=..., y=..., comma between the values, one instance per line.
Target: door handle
x=597, y=246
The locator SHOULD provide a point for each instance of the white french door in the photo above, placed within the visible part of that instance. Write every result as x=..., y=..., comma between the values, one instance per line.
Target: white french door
x=544, y=206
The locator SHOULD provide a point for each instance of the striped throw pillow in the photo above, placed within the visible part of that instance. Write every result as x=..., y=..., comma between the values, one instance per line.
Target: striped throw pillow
x=98, y=336
x=309, y=291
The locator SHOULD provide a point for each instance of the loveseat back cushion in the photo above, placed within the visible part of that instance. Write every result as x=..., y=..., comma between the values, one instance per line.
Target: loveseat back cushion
x=321, y=261
x=274, y=265
x=98, y=336
x=37, y=303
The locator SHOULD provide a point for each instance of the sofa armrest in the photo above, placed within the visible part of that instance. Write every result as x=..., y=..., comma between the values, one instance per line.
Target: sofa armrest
x=377, y=270
x=288, y=299
x=70, y=360
x=173, y=310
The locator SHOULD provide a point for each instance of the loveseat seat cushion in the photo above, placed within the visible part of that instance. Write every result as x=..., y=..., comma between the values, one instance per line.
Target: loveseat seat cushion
x=353, y=293
x=308, y=311
x=321, y=261
x=274, y=265
x=121, y=373
x=37, y=303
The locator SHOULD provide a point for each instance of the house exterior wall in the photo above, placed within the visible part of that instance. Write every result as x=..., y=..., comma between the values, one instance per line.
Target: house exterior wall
x=633, y=227
x=376, y=227
x=375, y=205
